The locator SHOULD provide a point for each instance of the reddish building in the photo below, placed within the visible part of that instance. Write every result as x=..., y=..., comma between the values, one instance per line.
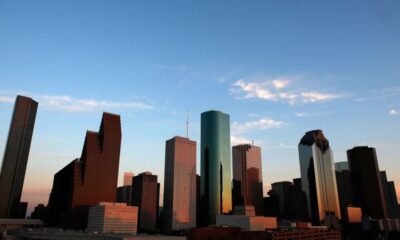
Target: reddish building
x=88, y=180
x=145, y=195
x=247, y=177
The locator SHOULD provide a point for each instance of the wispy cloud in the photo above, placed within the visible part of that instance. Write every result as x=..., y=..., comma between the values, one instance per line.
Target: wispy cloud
x=380, y=94
x=260, y=124
x=394, y=112
x=67, y=103
x=239, y=140
x=279, y=89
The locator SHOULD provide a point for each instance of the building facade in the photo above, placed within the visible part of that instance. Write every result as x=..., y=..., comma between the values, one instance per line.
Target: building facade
x=88, y=180
x=113, y=218
x=216, y=185
x=128, y=176
x=16, y=153
x=367, y=184
x=247, y=177
x=179, y=185
x=145, y=195
x=318, y=179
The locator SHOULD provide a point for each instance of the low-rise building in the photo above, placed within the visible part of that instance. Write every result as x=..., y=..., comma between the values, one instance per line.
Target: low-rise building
x=113, y=218
x=247, y=223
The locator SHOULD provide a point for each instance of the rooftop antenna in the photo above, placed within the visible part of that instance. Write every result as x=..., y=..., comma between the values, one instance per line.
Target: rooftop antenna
x=187, y=122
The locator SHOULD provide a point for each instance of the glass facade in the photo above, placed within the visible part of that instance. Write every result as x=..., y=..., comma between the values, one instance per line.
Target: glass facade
x=215, y=186
x=318, y=178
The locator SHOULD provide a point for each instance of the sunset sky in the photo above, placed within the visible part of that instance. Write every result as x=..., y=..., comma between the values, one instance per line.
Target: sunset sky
x=279, y=68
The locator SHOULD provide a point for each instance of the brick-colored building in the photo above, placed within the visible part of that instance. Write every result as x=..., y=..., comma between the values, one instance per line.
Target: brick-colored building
x=88, y=180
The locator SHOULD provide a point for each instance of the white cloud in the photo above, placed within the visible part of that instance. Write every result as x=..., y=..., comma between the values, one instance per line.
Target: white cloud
x=261, y=124
x=239, y=140
x=394, y=112
x=279, y=89
x=4, y=99
x=70, y=104
x=381, y=94
x=301, y=114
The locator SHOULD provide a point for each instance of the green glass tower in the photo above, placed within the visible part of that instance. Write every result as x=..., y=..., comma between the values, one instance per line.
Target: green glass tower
x=216, y=181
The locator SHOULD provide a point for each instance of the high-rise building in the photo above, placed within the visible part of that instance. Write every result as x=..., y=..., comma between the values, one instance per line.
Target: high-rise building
x=179, y=185
x=300, y=201
x=389, y=192
x=367, y=185
x=12, y=170
x=318, y=178
x=284, y=191
x=145, y=195
x=247, y=177
x=128, y=176
x=124, y=194
x=88, y=180
x=216, y=180
x=345, y=191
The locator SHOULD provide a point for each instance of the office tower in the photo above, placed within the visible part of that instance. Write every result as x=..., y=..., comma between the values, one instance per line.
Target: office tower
x=247, y=177
x=367, y=185
x=179, y=185
x=299, y=201
x=124, y=194
x=216, y=185
x=145, y=195
x=344, y=185
x=40, y=212
x=128, y=176
x=16, y=153
x=198, y=208
x=271, y=204
x=284, y=192
x=389, y=192
x=88, y=180
x=318, y=179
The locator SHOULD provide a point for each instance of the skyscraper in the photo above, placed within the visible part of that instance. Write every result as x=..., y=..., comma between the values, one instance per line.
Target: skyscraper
x=180, y=184
x=345, y=191
x=284, y=191
x=389, y=192
x=12, y=171
x=247, y=177
x=367, y=185
x=128, y=176
x=216, y=185
x=318, y=178
x=88, y=180
x=145, y=195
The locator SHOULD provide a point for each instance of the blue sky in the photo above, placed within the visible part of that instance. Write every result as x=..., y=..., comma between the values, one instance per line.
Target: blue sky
x=279, y=68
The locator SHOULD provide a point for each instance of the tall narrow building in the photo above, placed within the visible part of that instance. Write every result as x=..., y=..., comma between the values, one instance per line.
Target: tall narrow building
x=318, y=179
x=367, y=185
x=12, y=170
x=88, y=180
x=179, y=185
x=247, y=177
x=216, y=185
x=388, y=191
x=128, y=176
x=345, y=190
x=145, y=195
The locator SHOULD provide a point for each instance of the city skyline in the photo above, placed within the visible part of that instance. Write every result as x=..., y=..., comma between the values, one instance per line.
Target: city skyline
x=278, y=69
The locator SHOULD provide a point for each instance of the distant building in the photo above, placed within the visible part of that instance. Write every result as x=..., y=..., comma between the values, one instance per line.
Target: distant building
x=113, y=218
x=389, y=192
x=216, y=180
x=88, y=180
x=318, y=179
x=271, y=204
x=247, y=223
x=124, y=194
x=300, y=212
x=353, y=215
x=145, y=195
x=40, y=212
x=179, y=209
x=16, y=153
x=284, y=191
x=344, y=184
x=128, y=176
x=244, y=210
x=341, y=166
x=21, y=212
x=367, y=185
x=247, y=177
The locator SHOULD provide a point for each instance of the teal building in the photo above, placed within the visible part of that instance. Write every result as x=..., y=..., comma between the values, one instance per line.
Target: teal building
x=216, y=180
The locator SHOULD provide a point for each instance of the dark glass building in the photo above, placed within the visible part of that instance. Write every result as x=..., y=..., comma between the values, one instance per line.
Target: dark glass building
x=145, y=195
x=367, y=185
x=284, y=192
x=179, y=185
x=344, y=184
x=389, y=191
x=216, y=179
x=247, y=177
x=88, y=180
x=12, y=172
x=318, y=179
x=124, y=194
